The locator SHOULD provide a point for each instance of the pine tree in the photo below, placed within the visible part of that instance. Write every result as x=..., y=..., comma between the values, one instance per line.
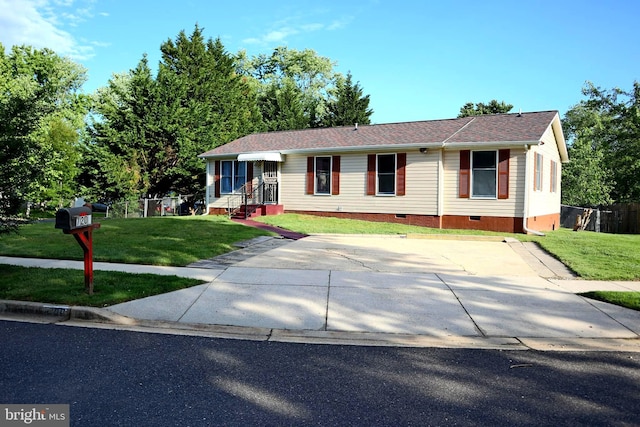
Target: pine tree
x=350, y=105
x=479, y=109
x=155, y=128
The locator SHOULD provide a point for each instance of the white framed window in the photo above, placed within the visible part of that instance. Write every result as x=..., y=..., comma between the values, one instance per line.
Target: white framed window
x=322, y=165
x=484, y=174
x=233, y=175
x=386, y=174
x=554, y=177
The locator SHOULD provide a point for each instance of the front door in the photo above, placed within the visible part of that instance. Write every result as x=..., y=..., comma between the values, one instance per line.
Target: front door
x=270, y=179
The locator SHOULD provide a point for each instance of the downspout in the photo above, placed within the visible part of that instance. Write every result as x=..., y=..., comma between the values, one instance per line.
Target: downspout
x=206, y=189
x=440, y=198
x=526, y=194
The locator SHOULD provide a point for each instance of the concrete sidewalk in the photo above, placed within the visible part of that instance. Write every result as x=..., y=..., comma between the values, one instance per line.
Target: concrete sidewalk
x=388, y=289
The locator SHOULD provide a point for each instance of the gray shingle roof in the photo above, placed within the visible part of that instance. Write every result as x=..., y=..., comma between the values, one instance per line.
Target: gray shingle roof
x=498, y=128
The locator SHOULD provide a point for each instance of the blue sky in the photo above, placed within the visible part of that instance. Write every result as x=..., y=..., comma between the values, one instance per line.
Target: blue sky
x=418, y=60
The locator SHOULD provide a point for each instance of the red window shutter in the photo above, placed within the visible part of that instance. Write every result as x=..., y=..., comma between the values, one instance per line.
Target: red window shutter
x=464, y=175
x=310, y=180
x=249, y=186
x=503, y=173
x=335, y=175
x=371, y=175
x=401, y=164
x=216, y=179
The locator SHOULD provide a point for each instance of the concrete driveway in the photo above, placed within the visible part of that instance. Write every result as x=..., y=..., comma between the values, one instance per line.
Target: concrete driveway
x=394, y=254
x=393, y=285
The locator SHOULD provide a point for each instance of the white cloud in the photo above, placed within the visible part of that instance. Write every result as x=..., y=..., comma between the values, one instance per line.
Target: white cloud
x=40, y=23
x=308, y=28
x=339, y=23
x=292, y=26
x=278, y=35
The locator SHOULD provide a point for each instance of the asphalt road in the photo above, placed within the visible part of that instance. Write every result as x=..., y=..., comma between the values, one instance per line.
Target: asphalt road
x=121, y=378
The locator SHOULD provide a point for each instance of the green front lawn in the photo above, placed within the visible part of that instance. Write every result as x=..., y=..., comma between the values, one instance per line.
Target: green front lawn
x=62, y=286
x=310, y=224
x=157, y=241
x=595, y=256
x=181, y=240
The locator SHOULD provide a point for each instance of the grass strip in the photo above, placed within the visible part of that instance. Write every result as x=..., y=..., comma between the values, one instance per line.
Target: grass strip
x=311, y=224
x=64, y=286
x=624, y=299
x=176, y=241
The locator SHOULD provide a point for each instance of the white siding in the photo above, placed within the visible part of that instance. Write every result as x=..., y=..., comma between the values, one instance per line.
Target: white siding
x=544, y=202
x=511, y=207
x=420, y=191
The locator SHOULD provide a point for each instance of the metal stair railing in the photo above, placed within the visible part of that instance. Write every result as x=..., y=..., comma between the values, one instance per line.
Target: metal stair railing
x=247, y=200
x=235, y=202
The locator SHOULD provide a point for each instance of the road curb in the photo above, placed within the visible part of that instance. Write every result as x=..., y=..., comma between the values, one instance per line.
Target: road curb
x=103, y=318
x=62, y=312
x=35, y=308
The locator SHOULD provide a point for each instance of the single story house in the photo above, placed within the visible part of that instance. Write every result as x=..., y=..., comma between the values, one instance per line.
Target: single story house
x=494, y=172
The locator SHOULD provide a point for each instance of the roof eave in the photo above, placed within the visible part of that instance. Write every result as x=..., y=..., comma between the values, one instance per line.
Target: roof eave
x=560, y=141
x=390, y=147
x=471, y=145
x=355, y=148
x=360, y=148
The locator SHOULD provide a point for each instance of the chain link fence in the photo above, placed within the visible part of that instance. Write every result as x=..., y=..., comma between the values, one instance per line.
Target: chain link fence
x=148, y=207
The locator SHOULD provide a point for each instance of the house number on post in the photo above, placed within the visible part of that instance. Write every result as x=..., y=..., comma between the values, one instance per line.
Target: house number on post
x=77, y=221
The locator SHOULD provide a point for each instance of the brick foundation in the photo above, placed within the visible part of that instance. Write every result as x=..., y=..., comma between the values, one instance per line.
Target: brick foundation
x=487, y=223
x=544, y=222
x=262, y=210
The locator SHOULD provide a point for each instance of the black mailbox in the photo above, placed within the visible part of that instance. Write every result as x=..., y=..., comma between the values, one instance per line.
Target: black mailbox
x=73, y=218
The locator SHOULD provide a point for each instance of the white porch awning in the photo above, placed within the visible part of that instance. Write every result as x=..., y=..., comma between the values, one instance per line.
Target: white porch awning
x=260, y=156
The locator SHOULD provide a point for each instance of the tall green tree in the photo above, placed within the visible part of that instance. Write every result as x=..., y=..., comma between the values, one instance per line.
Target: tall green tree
x=125, y=155
x=156, y=127
x=586, y=179
x=620, y=136
x=350, y=105
x=282, y=107
x=604, y=141
x=41, y=114
x=478, y=109
x=211, y=105
x=312, y=75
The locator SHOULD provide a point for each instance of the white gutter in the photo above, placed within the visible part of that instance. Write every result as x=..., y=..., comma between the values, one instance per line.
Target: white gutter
x=390, y=148
x=206, y=190
x=360, y=148
x=486, y=144
x=526, y=194
x=355, y=148
x=440, y=197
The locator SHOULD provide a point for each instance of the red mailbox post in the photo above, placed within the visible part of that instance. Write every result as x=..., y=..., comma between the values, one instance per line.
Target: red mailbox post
x=77, y=221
